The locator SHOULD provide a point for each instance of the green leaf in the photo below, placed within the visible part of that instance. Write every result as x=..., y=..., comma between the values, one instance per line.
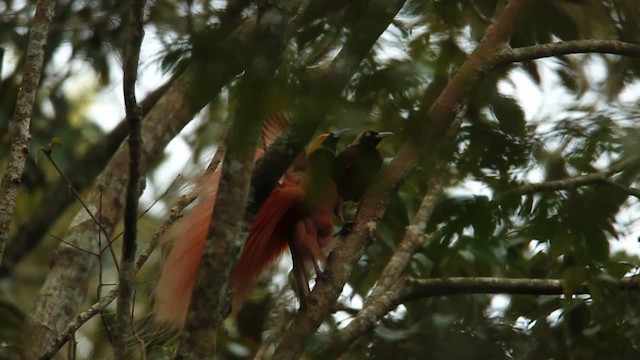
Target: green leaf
x=509, y=114
x=421, y=264
x=574, y=277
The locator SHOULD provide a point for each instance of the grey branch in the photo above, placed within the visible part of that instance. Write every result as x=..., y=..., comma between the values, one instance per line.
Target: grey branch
x=577, y=181
x=615, y=47
x=20, y=136
x=635, y=192
x=129, y=240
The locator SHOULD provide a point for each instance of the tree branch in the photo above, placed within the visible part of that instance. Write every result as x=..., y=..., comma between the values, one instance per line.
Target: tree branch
x=20, y=135
x=423, y=288
x=575, y=182
x=210, y=301
x=174, y=214
x=439, y=118
x=507, y=55
x=66, y=284
x=129, y=239
x=57, y=199
x=409, y=289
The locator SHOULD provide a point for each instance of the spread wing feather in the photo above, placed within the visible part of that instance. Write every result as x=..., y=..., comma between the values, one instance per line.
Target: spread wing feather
x=273, y=125
x=268, y=238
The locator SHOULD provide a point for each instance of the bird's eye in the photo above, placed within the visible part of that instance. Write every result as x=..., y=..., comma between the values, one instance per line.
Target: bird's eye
x=368, y=133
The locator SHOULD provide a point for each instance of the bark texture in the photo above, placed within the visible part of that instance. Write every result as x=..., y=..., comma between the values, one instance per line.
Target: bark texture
x=21, y=121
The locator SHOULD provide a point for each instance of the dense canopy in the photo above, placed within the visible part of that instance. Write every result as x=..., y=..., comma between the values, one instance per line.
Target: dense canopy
x=503, y=224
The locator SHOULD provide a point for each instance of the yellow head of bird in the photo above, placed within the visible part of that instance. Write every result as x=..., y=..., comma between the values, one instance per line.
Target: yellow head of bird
x=326, y=141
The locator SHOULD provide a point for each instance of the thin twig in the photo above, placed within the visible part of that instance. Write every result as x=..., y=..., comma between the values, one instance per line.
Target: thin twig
x=55, y=200
x=101, y=230
x=134, y=118
x=80, y=319
x=101, y=284
x=71, y=351
x=576, y=181
x=73, y=245
x=142, y=214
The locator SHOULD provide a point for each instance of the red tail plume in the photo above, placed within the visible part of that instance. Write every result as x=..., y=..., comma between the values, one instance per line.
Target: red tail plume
x=268, y=238
x=174, y=288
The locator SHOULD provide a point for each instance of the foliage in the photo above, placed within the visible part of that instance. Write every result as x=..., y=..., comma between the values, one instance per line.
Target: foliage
x=482, y=225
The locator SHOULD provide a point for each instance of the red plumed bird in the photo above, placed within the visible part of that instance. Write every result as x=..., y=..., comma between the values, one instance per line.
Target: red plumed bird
x=177, y=280
x=176, y=283
x=298, y=215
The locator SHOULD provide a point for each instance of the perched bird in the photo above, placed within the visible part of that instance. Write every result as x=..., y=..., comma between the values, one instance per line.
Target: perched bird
x=358, y=165
x=297, y=215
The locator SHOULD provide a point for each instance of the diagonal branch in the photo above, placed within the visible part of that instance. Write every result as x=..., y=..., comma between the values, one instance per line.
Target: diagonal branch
x=439, y=118
x=20, y=135
x=129, y=239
